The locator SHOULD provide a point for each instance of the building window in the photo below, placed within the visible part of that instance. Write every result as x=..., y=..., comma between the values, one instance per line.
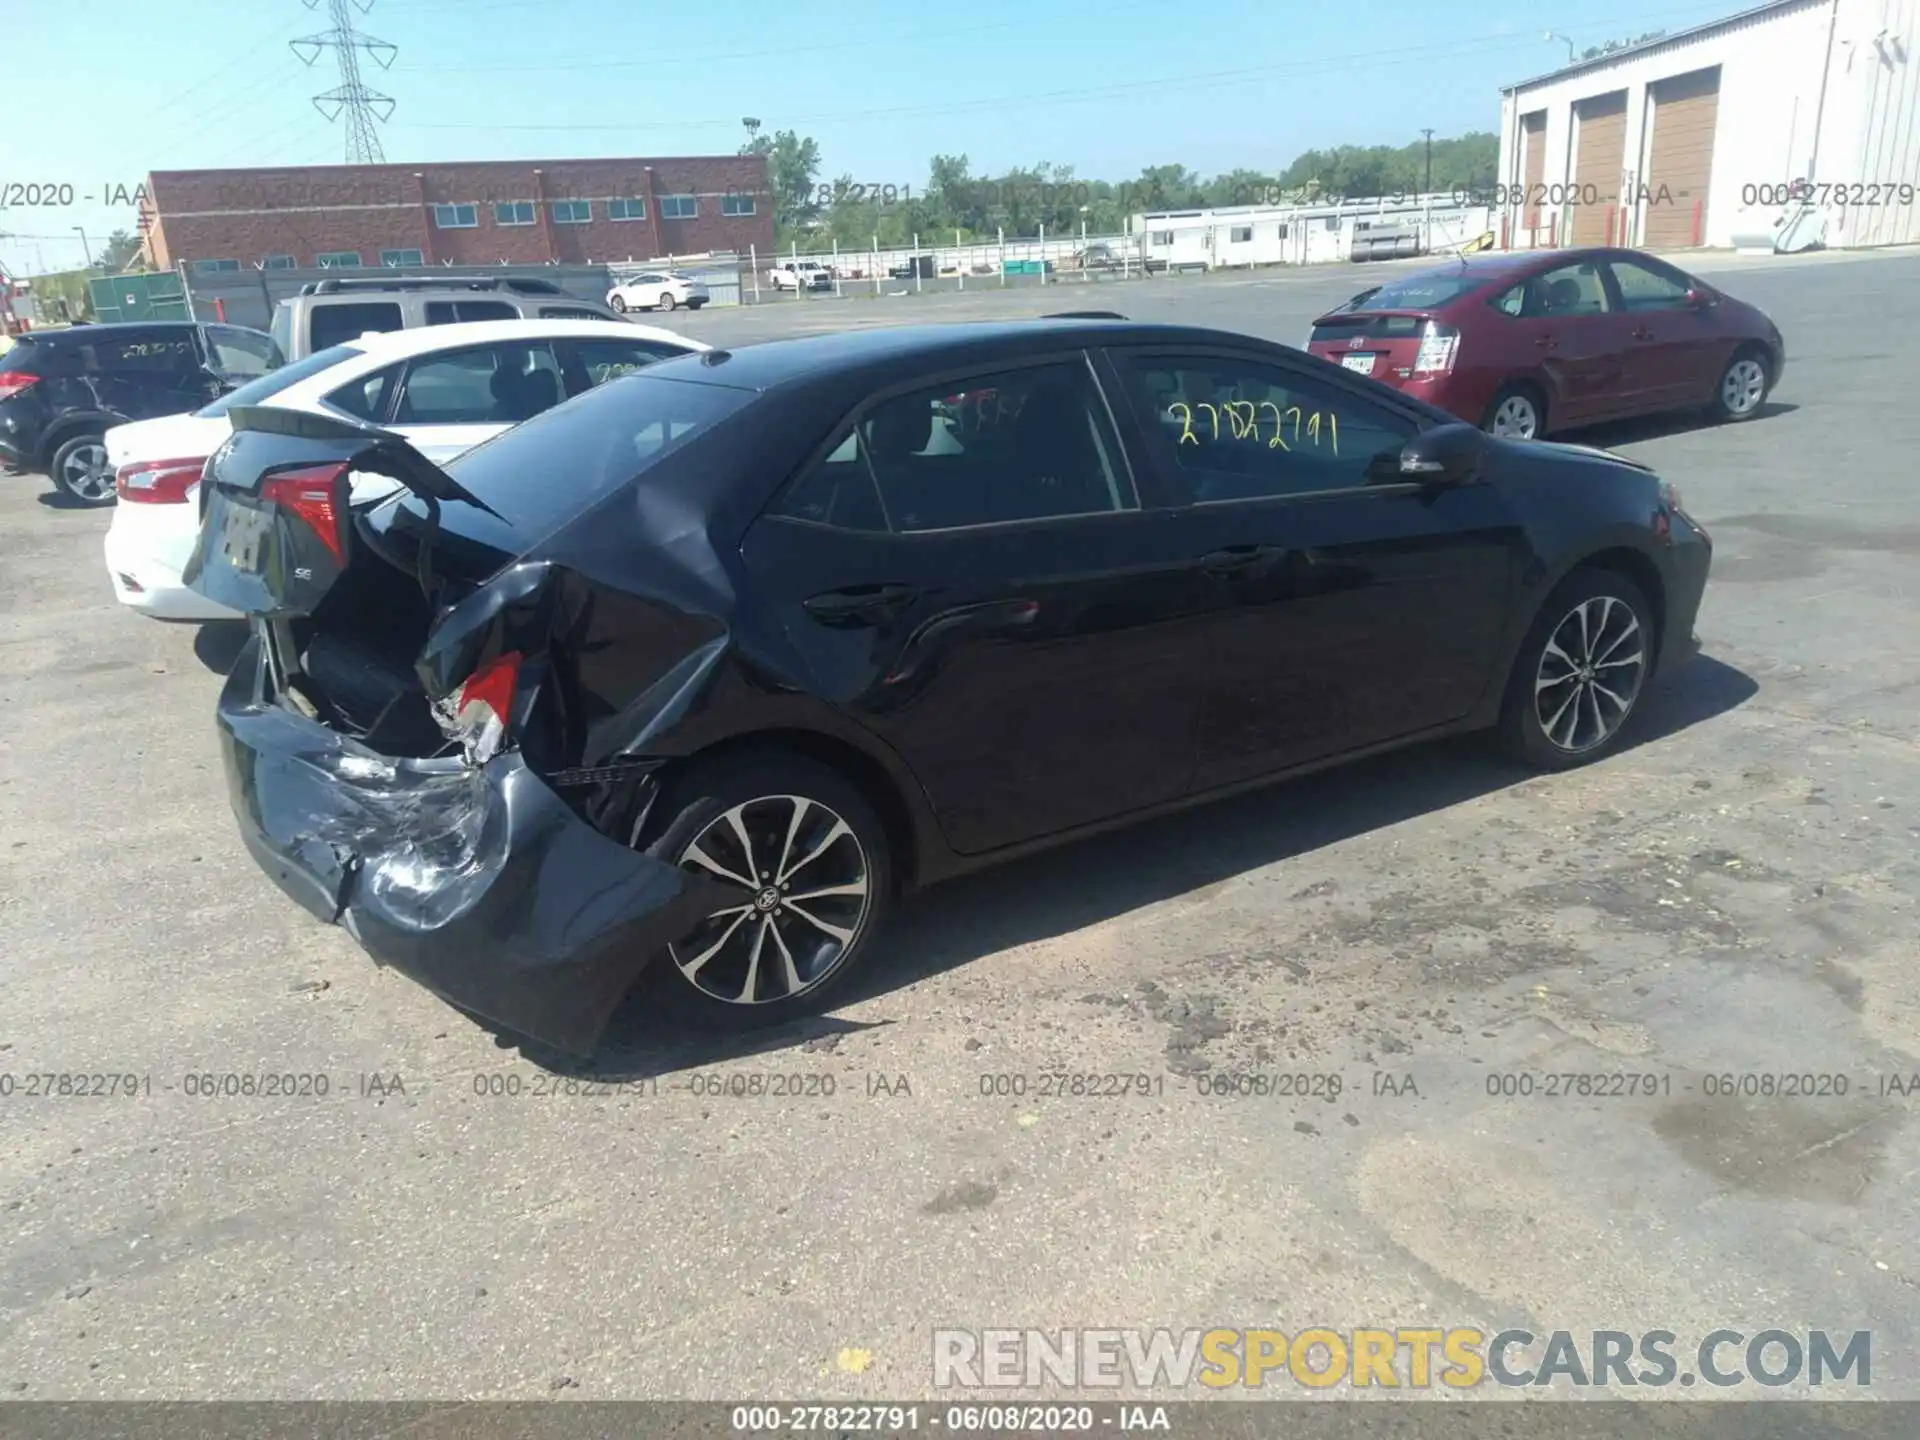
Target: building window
x=513, y=212
x=572, y=212
x=1283, y=230
x=278, y=262
x=1160, y=237
x=1333, y=222
x=214, y=267
x=456, y=217
x=736, y=204
x=627, y=209
x=678, y=207
x=402, y=257
x=338, y=260
x=1240, y=235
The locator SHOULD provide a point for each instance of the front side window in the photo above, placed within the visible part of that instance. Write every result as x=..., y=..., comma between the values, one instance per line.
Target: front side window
x=1570, y=290
x=482, y=385
x=1016, y=446
x=513, y=212
x=456, y=217
x=572, y=212
x=1644, y=288
x=338, y=260
x=1246, y=430
x=334, y=324
x=679, y=207
x=626, y=208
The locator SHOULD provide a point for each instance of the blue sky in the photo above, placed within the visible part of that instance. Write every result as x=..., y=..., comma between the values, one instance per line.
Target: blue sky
x=1106, y=86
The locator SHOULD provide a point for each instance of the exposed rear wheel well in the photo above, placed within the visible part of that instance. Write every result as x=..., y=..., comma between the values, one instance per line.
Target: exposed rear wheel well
x=62, y=431
x=1646, y=577
x=876, y=786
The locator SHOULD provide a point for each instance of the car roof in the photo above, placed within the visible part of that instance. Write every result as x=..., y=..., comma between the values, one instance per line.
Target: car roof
x=420, y=339
x=850, y=353
x=84, y=333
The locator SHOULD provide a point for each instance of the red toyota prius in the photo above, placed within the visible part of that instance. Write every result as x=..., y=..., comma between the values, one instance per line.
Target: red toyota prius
x=1526, y=344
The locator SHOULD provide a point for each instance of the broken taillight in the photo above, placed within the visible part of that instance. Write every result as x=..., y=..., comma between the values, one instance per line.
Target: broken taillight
x=317, y=495
x=479, y=712
x=158, y=482
x=1439, y=345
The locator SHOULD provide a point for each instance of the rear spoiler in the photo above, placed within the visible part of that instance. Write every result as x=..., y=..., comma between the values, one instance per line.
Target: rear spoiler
x=1084, y=315
x=376, y=451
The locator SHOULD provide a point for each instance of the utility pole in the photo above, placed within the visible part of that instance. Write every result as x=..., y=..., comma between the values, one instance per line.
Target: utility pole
x=351, y=97
x=1429, y=185
x=85, y=248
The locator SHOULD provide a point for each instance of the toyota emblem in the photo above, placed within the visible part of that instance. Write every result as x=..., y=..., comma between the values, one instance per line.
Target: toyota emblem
x=1356, y=342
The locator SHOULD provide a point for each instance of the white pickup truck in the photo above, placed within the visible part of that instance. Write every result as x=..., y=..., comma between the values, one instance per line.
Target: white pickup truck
x=797, y=275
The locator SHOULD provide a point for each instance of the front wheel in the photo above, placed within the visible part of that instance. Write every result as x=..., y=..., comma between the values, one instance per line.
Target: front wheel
x=1579, y=672
x=807, y=875
x=619, y=303
x=1743, y=386
x=81, y=470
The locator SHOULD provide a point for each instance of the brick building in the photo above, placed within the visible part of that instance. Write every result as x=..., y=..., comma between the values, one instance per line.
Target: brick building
x=522, y=212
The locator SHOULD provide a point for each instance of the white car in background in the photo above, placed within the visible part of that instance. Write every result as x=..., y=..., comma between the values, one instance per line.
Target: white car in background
x=658, y=290
x=446, y=388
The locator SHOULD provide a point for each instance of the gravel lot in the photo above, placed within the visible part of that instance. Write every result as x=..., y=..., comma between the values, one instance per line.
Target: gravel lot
x=1734, y=894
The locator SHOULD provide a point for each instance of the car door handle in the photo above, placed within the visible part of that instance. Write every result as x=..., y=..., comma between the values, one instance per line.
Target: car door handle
x=1643, y=333
x=1237, y=558
x=861, y=604
x=1547, y=342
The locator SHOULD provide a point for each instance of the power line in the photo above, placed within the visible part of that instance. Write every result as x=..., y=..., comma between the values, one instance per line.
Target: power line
x=351, y=99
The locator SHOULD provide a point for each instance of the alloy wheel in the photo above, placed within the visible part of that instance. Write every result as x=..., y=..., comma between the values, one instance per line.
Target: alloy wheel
x=1515, y=418
x=1590, y=674
x=1743, y=385
x=86, y=471
x=803, y=882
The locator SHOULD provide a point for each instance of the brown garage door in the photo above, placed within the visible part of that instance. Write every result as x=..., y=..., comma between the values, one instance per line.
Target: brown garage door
x=1680, y=159
x=1600, y=135
x=1533, y=164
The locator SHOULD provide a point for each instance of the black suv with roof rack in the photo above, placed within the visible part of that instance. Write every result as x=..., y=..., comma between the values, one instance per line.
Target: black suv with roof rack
x=62, y=390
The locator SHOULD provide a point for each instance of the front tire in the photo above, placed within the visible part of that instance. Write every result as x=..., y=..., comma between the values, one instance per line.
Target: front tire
x=1580, y=672
x=80, y=470
x=1518, y=412
x=1743, y=386
x=619, y=303
x=809, y=864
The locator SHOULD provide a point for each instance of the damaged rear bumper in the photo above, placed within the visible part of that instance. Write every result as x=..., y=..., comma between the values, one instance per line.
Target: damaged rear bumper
x=479, y=883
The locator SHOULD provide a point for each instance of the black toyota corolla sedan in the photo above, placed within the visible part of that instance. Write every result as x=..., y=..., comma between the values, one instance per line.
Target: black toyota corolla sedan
x=694, y=674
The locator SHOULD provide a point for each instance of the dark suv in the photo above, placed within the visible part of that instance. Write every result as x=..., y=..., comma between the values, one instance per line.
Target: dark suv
x=62, y=390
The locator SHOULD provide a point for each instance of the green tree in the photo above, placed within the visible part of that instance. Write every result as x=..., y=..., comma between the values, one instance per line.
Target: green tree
x=119, y=251
x=793, y=168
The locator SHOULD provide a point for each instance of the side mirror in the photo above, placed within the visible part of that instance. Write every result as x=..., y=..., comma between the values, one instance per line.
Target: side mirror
x=1445, y=455
x=1698, y=299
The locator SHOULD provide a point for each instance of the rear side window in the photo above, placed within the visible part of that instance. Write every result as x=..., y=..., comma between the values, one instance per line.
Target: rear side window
x=274, y=381
x=594, y=362
x=483, y=385
x=153, y=352
x=331, y=325
x=568, y=312
x=459, y=312
x=1020, y=445
x=366, y=398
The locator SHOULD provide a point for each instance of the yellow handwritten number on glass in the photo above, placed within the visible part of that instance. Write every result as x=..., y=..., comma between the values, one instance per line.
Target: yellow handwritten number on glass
x=1181, y=411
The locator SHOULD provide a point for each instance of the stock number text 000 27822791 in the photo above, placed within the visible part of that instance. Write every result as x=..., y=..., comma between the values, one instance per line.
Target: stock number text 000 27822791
x=1244, y=420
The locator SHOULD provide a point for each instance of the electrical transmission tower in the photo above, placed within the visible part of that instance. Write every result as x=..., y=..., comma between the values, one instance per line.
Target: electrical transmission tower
x=351, y=97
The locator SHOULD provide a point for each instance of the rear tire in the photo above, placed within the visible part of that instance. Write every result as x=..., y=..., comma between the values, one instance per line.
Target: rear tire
x=1580, y=672
x=667, y=302
x=80, y=471
x=619, y=303
x=1518, y=412
x=810, y=833
x=1743, y=386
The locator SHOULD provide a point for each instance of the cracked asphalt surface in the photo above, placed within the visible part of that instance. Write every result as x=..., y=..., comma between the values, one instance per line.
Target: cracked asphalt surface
x=1733, y=895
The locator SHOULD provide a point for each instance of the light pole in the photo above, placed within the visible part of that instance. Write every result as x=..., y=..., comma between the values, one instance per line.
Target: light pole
x=84, y=246
x=1429, y=185
x=1556, y=35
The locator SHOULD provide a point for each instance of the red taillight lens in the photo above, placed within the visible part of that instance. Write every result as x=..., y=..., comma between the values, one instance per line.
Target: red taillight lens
x=12, y=382
x=482, y=708
x=158, y=482
x=317, y=494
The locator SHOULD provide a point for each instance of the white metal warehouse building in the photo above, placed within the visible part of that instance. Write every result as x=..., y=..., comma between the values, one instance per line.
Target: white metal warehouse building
x=1691, y=139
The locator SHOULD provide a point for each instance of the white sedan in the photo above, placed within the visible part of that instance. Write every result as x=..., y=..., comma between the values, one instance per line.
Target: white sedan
x=446, y=388
x=658, y=290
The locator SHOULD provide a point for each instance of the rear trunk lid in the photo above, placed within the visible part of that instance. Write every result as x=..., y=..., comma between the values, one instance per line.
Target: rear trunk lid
x=1383, y=344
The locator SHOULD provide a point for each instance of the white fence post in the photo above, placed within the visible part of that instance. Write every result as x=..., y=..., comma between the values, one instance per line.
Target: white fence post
x=1002, y=247
x=1043, y=252
x=919, y=282
x=873, y=269
x=836, y=265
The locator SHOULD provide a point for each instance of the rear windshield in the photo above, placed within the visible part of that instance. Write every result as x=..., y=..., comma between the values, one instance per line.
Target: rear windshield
x=543, y=472
x=19, y=357
x=274, y=381
x=1422, y=292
